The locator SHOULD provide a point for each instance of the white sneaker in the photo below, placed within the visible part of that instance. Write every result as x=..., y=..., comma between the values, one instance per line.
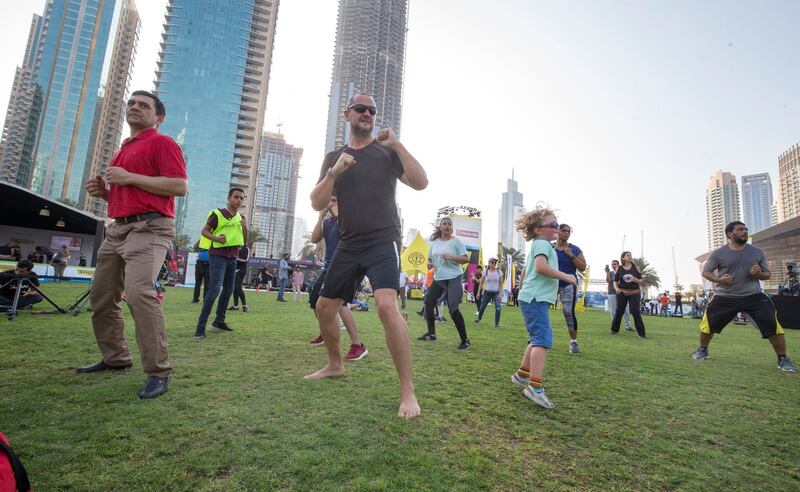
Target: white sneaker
x=538, y=398
x=519, y=382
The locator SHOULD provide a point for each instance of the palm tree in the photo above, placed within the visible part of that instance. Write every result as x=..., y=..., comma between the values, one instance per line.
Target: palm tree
x=309, y=251
x=649, y=275
x=254, y=236
x=517, y=257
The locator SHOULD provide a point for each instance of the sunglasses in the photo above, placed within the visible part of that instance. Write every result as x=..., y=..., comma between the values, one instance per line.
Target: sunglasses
x=360, y=108
x=552, y=225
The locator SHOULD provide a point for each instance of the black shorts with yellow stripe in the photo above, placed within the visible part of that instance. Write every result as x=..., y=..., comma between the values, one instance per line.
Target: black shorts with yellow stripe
x=722, y=309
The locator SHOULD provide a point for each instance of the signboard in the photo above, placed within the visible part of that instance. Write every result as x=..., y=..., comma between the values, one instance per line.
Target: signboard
x=468, y=230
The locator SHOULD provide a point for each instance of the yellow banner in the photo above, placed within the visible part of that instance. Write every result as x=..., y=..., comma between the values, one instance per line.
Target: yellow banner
x=415, y=258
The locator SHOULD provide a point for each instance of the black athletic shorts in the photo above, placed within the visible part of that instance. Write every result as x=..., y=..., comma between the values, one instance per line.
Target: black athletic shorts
x=381, y=263
x=721, y=311
x=313, y=296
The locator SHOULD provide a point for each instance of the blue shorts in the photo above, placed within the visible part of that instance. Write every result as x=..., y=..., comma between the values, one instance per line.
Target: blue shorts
x=537, y=320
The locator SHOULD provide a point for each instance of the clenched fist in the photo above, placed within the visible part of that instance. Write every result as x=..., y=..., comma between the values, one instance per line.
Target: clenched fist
x=345, y=162
x=96, y=187
x=387, y=138
x=116, y=175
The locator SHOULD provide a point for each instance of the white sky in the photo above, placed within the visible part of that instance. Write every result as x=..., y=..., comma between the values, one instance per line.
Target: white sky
x=613, y=112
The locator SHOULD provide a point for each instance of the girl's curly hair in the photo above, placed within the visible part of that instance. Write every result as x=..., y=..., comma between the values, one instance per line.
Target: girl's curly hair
x=526, y=222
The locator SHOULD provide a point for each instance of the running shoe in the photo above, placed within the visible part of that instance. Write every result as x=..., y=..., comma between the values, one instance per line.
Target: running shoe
x=464, y=345
x=629, y=328
x=221, y=325
x=317, y=341
x=233, y=308
x=539, y=398
x=786, y=365
x=573, y=347
x=357, y=352
x=519, y=381
x=427, y=336
x=244, y=309
x=700, y=354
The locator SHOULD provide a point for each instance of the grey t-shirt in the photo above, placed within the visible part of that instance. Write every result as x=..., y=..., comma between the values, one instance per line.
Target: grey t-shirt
x=737, y=264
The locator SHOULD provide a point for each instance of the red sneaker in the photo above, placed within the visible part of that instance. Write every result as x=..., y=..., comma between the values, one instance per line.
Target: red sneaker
x=317, y=341
x=357, y=352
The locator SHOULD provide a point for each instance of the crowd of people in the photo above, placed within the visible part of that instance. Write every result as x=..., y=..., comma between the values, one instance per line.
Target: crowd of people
x=148, y=172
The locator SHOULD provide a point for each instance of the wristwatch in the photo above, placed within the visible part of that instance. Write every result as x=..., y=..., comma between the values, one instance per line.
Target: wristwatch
x=330, y=174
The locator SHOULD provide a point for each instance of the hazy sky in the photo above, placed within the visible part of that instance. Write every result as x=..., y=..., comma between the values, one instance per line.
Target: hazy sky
x=613, y=112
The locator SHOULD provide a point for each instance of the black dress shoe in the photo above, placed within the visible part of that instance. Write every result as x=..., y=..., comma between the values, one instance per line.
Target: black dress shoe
x=221, y=325
x=153, y=387
x=100, y=367
x=427, y=336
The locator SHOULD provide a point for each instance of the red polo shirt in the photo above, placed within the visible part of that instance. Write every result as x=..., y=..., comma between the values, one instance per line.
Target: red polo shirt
x=151, y=154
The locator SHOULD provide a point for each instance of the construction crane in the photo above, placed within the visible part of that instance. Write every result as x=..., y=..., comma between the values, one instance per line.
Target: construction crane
x=677, y=286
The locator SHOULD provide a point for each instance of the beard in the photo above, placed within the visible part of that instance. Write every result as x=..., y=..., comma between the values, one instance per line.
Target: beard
x=739, y=240
x=359, y=132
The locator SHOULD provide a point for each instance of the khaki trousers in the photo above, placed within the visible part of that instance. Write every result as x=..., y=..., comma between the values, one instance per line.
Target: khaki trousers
x=129, y=261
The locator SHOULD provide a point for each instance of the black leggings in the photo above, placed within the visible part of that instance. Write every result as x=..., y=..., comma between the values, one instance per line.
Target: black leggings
x=238, y=291
x=622, y=303
x=455, y=291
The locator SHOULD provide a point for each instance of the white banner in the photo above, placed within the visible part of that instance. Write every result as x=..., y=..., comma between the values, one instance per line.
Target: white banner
x=191, y=260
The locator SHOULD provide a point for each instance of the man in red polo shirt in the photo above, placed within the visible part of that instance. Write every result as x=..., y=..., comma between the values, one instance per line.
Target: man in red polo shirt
x=145, y=175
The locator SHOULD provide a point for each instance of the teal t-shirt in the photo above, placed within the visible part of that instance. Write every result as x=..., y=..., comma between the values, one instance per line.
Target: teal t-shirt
x=445, y=270
x=537, y=287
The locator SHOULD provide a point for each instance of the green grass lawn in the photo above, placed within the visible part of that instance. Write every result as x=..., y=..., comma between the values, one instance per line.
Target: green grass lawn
x=631, y=414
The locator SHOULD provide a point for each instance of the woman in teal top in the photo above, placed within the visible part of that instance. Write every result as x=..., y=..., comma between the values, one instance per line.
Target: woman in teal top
x=448, y=254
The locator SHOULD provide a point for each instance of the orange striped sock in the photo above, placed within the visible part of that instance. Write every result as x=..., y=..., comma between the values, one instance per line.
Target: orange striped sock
x=524, y=373
x=535, y=384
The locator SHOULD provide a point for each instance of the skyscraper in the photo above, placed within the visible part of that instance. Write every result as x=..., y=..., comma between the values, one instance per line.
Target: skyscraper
x=275, y=195
x=369, y=57
x=511, y=206
x=111, y=102
x=789, y=183
x=722, y=206
x=19, y=130
x=71, y=56
x=213, y=77
x=757, y=201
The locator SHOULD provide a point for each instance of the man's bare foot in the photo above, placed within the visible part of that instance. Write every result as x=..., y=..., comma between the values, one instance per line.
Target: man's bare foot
x=326, y=372
x=408, y=407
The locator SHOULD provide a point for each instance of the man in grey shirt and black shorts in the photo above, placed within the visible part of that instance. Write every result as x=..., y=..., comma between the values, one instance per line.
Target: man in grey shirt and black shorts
x=739, y=267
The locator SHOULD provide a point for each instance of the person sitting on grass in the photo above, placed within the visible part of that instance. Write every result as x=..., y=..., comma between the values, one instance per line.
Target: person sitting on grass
x=9, y=280
x=538, y=292
x=359, y=303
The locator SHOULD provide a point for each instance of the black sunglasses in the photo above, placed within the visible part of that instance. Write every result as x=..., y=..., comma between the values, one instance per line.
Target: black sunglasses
x=360, y=108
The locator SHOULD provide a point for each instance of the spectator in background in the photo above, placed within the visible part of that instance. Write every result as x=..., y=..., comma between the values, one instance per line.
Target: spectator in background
x=678, y=305
x=297, y=282
x=283, y=276
x=238, y=286
x=9, y=280
x=664, y=301
x=402, y=289
x=60, y=261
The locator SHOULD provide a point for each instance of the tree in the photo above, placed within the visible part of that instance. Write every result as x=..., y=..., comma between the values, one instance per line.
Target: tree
x=309, y=251
x=67, y=201
x=649, y=274
x=182, y=242
x=517, y=257
x=254, y=236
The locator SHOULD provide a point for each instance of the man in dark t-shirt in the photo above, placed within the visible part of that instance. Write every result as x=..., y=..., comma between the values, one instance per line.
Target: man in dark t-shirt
x=364, y=175
x=737, y=269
